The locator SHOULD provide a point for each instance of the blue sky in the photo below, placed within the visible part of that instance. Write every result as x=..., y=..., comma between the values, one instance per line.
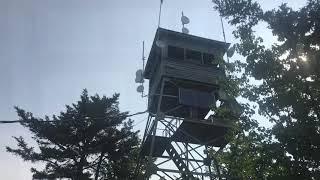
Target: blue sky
x=50, y=50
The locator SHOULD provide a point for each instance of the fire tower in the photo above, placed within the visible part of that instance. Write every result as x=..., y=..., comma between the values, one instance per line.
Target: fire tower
x=184, y=73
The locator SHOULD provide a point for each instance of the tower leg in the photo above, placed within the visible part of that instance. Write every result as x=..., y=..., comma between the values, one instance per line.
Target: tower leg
x=217, y=169
x=209, y=165
x=150, y=165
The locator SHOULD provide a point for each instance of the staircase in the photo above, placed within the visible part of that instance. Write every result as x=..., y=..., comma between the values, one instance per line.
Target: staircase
x=186, y=174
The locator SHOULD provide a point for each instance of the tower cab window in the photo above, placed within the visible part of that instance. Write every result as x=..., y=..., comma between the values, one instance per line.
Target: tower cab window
x=194, y=56
x=209, y=59
x=176, y=53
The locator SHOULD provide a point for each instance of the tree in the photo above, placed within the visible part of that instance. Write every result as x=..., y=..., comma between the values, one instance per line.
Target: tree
x=289, y=92
x=91, y=138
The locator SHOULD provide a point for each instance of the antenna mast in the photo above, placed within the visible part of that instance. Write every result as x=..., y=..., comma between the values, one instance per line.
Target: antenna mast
x=222, y=26
x=159, y=18
x=143, y=60
x=184, y=20
x=143, y=57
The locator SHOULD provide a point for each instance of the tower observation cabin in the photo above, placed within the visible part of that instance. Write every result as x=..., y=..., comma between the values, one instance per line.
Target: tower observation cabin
x=191, y=64
x=184, y=73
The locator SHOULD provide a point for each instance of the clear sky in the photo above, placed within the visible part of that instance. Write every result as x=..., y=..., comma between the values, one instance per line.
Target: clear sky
x=50, y=50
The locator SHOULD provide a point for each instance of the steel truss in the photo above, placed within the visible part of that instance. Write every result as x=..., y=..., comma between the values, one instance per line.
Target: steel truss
x=180, y=160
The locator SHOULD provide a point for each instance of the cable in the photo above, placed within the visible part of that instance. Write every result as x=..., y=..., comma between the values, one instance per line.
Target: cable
x=138, y=113
x=8, y=122
x=18, y=121
x=139, y=122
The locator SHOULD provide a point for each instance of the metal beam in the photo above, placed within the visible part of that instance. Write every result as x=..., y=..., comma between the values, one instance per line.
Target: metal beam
x=178, y=172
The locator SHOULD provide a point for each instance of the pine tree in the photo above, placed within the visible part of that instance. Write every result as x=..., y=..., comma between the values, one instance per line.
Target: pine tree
x=90, y=139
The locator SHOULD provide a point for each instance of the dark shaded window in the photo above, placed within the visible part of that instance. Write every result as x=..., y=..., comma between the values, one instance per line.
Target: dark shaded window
x=195, y=98
x=175, y=52
x=208, y=59
x=193, y=55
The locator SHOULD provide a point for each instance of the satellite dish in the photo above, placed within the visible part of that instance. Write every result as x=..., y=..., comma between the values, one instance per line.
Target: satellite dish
x=185, y=20
x=139, y=76
x=160, y=44
x=231, y=51
x=139, y=80
x=185, y=30
x=139, y=72
x=140, y=89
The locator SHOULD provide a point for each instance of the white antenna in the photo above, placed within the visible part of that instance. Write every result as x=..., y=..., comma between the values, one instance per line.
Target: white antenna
x=184, y=20
x=159, y=18
x=140, y=89
x=139, y=75
x=185, y=30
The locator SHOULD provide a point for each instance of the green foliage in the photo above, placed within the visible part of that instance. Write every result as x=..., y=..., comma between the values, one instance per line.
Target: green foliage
x=288, y=93
x=90, y=138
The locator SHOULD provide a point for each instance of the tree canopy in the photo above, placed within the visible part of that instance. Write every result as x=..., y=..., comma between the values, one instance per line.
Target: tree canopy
x=90, y=139
x=287, y=91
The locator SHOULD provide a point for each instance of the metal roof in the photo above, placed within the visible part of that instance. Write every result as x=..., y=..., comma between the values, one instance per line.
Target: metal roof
x=178, y=36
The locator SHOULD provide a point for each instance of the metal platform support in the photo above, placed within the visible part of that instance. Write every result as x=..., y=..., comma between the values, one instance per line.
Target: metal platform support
x=185, y=75
x=177, y=148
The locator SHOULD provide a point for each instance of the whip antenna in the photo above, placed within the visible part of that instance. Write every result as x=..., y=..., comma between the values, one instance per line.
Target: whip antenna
x=159, y=18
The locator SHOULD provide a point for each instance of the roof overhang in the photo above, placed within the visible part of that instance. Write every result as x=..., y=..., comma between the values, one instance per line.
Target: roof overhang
x=178, y=36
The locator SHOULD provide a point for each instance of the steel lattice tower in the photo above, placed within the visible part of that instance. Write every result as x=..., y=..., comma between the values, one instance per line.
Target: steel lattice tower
x=184, y=74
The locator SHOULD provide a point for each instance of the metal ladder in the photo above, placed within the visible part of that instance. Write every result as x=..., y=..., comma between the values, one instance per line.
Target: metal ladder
x=179, y=162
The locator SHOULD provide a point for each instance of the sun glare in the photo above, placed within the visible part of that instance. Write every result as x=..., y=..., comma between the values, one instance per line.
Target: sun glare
x=304, y=58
